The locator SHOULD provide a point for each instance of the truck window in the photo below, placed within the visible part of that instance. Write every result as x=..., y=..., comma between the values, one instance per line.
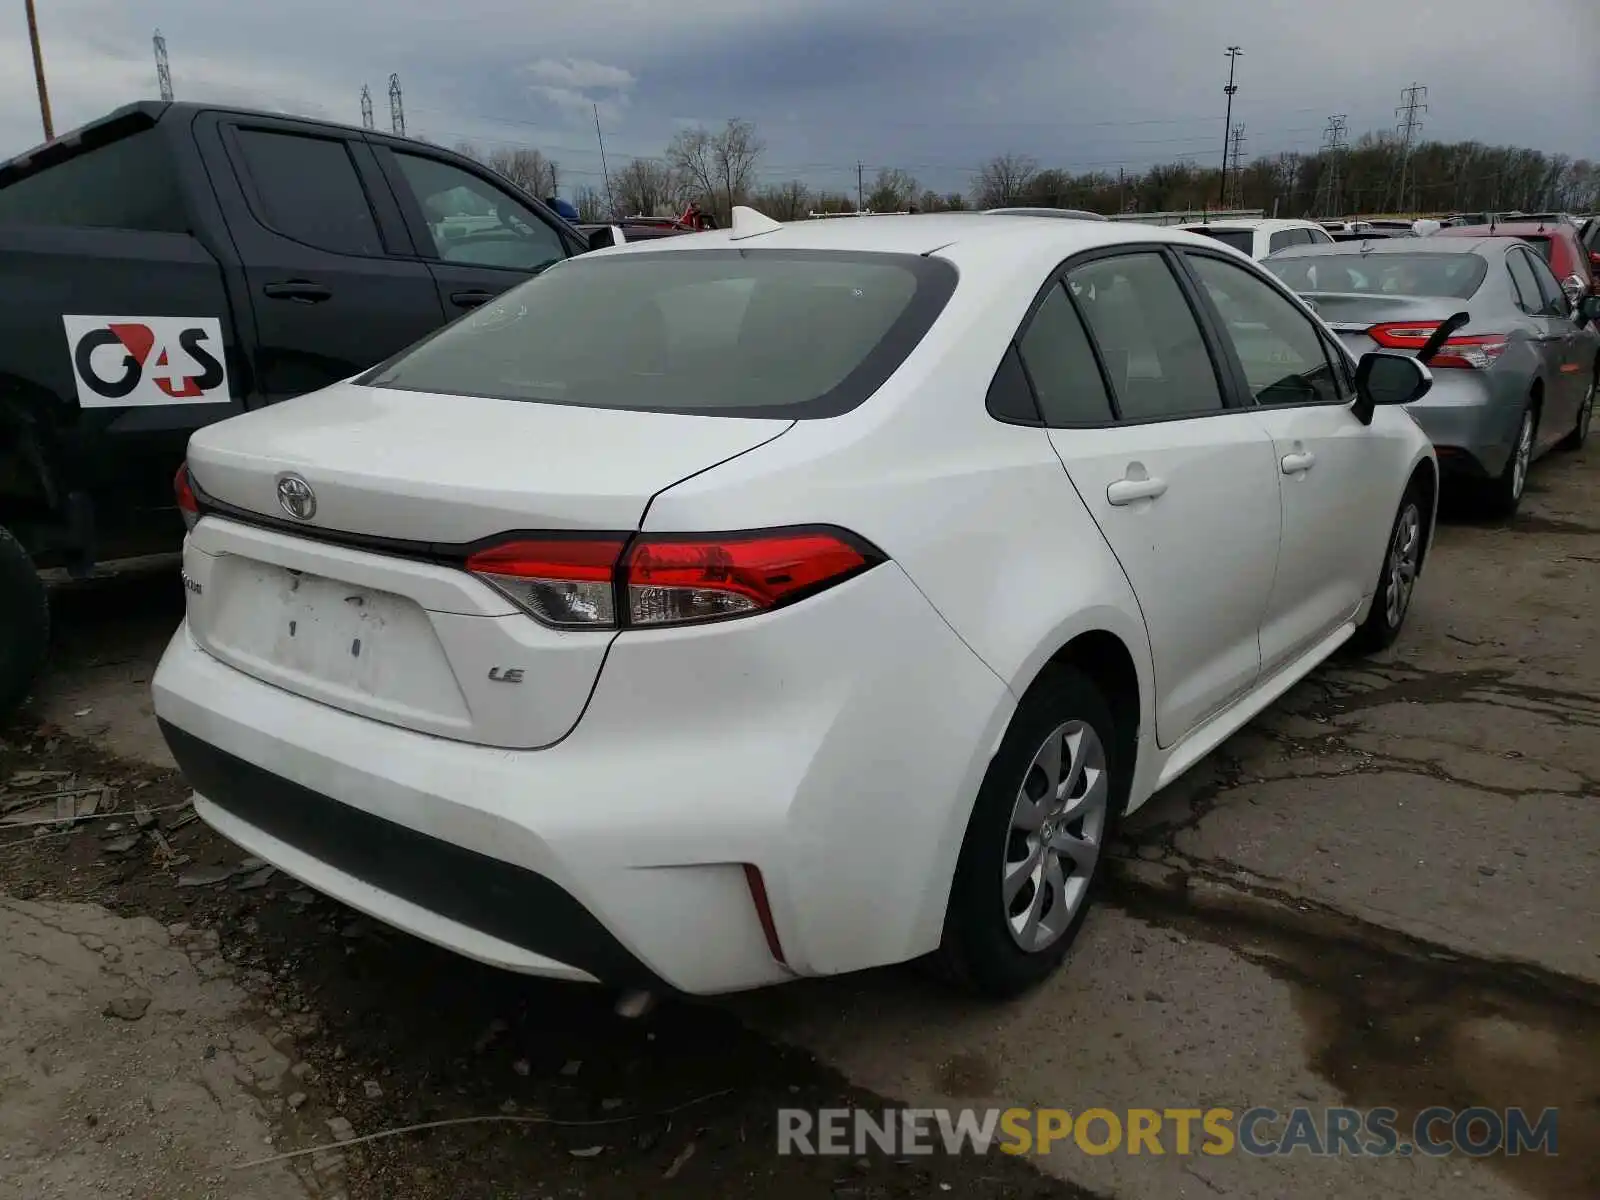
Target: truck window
x=125, y=184
x=474, y=223
x=307, y=189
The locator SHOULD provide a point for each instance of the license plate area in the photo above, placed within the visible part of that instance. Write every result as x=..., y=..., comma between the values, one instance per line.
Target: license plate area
x=359, y=648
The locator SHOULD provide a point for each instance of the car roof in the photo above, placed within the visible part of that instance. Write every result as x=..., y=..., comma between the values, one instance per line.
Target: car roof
x=1517, y=229
x=1427, y=245
x=927, y=233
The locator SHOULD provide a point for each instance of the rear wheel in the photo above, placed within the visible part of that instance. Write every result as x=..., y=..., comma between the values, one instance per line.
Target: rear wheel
x=1402, y=563
x=1035, y=846
x=1580, y=430
x=24, y=622
x=1503, y=494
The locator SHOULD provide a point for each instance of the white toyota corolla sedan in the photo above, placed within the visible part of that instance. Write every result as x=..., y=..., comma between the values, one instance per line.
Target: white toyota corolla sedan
x=783, y=600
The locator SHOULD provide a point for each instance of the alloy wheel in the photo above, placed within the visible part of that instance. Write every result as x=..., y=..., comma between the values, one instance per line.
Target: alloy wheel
x=1058, y=827
x=1522, y=457
x=1405, y=552
x=1586, y=413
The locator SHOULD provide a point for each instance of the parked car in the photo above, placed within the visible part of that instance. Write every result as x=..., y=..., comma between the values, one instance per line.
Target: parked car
x=173, y=264
x=1516, y=380
x=876, y=568
x=1557, y=242
x=1259, y=238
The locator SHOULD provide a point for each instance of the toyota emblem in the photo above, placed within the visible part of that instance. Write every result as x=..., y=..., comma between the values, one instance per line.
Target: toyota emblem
x=296, y=498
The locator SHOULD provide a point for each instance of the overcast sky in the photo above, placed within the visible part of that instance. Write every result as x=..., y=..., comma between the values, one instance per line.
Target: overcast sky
x=931, y=86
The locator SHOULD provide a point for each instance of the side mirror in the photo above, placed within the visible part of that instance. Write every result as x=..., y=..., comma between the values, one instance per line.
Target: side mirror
x=1588, y=310
x=1384, y=377
x=1575, y=288
x=606, y=235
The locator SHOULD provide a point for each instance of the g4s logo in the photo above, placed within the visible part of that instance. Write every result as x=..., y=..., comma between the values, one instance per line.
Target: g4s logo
x=147, y=360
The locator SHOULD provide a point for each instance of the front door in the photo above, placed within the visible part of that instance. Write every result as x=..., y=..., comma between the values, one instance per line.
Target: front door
x=1182, y=486
x=333, y=290
x=1335, y=475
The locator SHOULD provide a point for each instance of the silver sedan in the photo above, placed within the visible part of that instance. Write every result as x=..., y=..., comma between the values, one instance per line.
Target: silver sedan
x=1515, y=381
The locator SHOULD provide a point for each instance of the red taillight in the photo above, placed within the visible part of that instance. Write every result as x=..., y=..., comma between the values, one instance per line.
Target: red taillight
x=188, y=503
x=565, y=582
x=608, y=582
x=1477, y=351
x=763, y=906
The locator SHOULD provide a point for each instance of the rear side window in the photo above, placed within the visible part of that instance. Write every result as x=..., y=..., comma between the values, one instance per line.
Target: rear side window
x=1527, y=287
x=126, y=184
x=1061, y=364
x=307, y=189
x=749, y=333
x=1542, y=246
x=1148, y=337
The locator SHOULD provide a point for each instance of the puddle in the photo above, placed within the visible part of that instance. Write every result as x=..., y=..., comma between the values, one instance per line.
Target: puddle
x=1391, y=1024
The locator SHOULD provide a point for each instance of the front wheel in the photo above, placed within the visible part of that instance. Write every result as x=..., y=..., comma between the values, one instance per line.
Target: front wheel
x=24, y=622
x=1035, y=845
x=1402, y=563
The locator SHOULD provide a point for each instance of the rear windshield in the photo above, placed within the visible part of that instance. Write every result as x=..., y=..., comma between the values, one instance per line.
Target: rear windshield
x=1239, y=239
x=1447, y=275
x=749, y=333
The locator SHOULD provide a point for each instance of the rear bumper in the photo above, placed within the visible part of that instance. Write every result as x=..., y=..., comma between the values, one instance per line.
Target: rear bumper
x=836, y=746
x=1471, y=417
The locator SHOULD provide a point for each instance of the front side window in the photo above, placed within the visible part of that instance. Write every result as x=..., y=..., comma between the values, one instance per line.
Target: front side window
x=474, y=223
x=307, y=189
x=1148, y=337
x=750, y=333
x=1279, y=347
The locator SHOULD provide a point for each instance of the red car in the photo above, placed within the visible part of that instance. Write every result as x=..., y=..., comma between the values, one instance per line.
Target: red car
x=1559, y=243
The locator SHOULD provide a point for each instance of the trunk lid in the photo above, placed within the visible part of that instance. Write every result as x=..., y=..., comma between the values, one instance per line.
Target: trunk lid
x=406, y=636
x=1351, y=315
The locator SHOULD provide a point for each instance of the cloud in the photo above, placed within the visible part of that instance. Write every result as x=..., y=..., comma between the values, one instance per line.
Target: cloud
x=580, y=74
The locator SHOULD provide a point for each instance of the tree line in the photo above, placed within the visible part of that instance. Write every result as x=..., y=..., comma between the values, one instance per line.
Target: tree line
x=719, y=168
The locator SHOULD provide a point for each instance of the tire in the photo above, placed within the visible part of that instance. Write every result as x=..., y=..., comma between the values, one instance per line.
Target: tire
x=1402, y=563
x=1580, y=429
x=1502, y=495
x=24, y=623
x=983, y=948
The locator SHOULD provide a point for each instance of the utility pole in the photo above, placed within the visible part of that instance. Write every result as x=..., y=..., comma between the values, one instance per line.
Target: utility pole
x=1413, y=100
x=163, y=69
x=367, y=120
x=1122, y=181
x=605, y=171
x=1333, y=148
x=860, y=189
x=1233, y=181
x=1233, y=54
x=38, y=73
x=397, y=108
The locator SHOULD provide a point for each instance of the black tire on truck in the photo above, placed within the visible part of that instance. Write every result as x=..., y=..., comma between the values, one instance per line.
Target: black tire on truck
x=24, y=622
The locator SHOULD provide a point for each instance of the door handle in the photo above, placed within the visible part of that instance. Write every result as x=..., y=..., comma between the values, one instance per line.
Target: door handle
x=1299, y=462
x=301, y=291
x=471, y=299
x=1126, y=491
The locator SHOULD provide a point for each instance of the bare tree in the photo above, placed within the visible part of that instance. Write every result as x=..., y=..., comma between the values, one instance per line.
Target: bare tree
x=892, y=191
x=590, y=203
x=785, y=201
x=1004, y=180
x=530, y=170
x=643, y=188
x=468, y=150
x=717, y=168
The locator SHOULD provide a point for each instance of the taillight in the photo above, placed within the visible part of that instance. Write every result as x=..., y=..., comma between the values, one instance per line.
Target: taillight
x=655, y=580
x=188, y=503
x=1477, y=351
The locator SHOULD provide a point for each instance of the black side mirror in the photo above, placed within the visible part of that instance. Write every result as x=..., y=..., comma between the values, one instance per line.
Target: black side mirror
x=1588, y=310
x=1384, y=377
x=605, y=236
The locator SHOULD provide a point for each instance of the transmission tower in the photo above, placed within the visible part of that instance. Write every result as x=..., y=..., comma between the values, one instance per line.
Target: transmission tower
x=1413, y=102
x=1233, y=175
x=1334, y=144
x=163, y=70
x=366, y=108
x=1232, y=55
x=397, y=109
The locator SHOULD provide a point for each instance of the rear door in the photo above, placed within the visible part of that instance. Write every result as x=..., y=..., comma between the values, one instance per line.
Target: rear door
x=332, y=274
x=1182, y=484
x=1565, y=341
x=478, y=235
x=1335, y=475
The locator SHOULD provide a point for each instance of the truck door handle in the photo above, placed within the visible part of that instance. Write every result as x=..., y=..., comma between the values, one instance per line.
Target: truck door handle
x=471, y=299
x=1299, y=462
x=1126, y=491
x=301, y=291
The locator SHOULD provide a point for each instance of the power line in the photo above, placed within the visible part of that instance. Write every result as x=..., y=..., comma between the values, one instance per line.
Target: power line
x=163, y=68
